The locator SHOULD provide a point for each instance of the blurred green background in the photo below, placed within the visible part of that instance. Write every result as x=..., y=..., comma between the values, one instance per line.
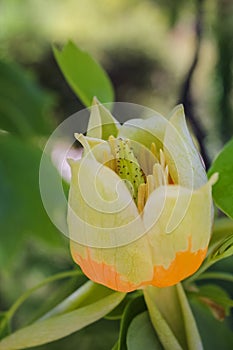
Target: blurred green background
x=157, y=53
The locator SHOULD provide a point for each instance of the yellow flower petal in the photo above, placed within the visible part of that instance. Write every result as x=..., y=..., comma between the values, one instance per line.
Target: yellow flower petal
x=101, y=210
x=145, y=131
x=101, y=123
x=195, y=209
x=185, y=165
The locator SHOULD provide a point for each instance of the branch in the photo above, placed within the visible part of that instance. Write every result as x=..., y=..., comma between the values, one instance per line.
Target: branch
x=186, y=97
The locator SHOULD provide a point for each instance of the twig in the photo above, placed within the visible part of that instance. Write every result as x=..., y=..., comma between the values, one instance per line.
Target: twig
x=186, y=97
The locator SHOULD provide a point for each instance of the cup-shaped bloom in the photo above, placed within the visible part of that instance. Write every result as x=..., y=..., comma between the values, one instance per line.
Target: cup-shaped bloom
x=140, y=205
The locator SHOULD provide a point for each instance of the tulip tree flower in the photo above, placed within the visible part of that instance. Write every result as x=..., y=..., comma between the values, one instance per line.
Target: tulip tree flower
x=140, y=206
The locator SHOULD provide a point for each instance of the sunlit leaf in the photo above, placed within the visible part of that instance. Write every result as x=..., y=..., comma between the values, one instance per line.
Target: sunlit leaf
x=223, y=189
x=60, y=326
x=141, y=334
x=85, y=76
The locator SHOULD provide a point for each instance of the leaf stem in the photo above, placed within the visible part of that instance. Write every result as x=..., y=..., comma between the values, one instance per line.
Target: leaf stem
x=225, y=276
x=83, y=295
x=28, y=293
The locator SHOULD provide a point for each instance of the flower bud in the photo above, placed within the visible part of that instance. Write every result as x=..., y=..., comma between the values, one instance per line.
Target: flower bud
x=140, y=205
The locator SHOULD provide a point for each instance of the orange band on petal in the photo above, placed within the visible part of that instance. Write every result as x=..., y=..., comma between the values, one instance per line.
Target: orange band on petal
x=103, y=274
x=184, y=265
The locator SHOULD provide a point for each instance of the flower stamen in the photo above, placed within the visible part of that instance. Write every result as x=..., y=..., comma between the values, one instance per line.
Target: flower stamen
x=141, y=197
x=127, y=167
x=153, y=149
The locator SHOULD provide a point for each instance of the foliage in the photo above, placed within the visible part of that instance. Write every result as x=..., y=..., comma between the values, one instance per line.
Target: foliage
x=16, y=116
x=62, y=325
x=79, y=69
x=223, y=189
x=23, y=218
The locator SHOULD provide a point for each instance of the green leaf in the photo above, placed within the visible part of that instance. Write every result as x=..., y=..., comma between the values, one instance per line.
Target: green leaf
x=133, y=308
x=62, y=291
x=141, y=334
x=172, y=318
x=221, y=246
x=214, y=334
x=193, y=337
x=100, y=335
x=60, y=326
x=164, y=311
x=223, y=229
x=22, y=215
x=24, y=108
x=4, y=325
x=224, y=249
x=85, y=76
x=87, y=294
x=223, y=189
x=220, y=250
x=217, y=299
x=117, y=313
x=23, y=297
x=218, y=275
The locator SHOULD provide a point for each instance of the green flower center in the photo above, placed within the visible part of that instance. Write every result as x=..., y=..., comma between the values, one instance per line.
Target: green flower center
x=126, y=165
